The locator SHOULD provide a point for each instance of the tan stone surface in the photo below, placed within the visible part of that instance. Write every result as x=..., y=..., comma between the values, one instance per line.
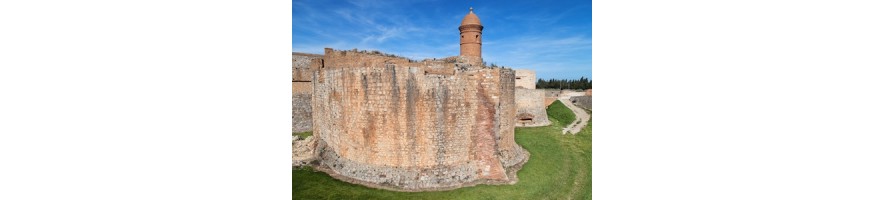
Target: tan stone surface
x=530, y=108
x=391, y=123
x=303, y=150
x=302, y=87
x=548, y=101
x=303, y=66
x=302, y=69
x=525, y=78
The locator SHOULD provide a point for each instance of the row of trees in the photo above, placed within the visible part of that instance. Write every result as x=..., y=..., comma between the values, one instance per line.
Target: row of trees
x=580, y=84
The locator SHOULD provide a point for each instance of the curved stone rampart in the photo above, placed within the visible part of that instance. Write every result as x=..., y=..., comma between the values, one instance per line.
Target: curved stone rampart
x=391, y=123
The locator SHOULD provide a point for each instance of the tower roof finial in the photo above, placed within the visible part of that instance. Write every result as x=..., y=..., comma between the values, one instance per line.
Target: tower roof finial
x=470, y=18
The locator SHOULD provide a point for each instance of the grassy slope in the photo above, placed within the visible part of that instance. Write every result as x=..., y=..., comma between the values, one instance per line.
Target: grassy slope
x=559, y=168
x=560, y=114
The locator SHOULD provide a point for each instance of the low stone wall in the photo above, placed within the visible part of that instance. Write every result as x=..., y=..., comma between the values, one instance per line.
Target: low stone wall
x=585, y=102
x=303, y=150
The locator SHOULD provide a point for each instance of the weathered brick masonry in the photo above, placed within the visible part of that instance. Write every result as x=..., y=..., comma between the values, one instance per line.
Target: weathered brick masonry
x=392, y=123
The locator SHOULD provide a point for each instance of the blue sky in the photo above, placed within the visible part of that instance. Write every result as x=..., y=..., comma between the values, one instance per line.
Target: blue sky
x=554, y=39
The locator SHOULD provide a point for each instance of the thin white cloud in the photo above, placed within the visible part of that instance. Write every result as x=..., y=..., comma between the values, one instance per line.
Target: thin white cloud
x=387, y=26
x=549, y=55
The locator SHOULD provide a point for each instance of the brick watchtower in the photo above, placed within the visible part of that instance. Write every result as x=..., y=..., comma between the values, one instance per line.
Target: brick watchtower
x=471, y=35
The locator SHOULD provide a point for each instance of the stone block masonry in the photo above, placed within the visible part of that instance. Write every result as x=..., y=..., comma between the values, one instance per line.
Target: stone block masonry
x=388, y=122
x=531, y=110
x=585, y=102
x=530, y=103
x=303, y=66
x=301, y=108
x=303, y=150
x=525, y=79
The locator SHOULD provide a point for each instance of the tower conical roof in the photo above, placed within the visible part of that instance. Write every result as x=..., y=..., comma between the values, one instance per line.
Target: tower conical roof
x=470, y=18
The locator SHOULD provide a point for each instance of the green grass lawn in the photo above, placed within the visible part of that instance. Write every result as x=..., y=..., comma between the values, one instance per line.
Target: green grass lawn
x=562, y=115
x=559, y=168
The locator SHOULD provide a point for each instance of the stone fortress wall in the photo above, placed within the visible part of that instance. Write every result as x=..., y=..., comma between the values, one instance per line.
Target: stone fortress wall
x=392, y=123
x=303, y=66
x=585, y=102
x=389, y=122
x=530, y=108
x=525, y=78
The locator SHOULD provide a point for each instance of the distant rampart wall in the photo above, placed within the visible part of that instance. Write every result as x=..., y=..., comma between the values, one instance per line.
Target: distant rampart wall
x=530, y=108
x=303, y=66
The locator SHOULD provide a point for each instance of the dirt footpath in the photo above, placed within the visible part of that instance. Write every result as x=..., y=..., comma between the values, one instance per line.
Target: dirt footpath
x=581, y=116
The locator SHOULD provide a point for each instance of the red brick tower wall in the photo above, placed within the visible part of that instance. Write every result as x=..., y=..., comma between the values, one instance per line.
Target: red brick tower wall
x=471, y=35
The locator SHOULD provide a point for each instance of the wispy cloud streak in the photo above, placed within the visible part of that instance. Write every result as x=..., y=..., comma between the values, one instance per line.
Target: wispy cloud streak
x=553, y=39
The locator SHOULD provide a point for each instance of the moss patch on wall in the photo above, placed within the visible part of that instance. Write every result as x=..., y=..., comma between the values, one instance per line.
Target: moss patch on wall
x=302, y=134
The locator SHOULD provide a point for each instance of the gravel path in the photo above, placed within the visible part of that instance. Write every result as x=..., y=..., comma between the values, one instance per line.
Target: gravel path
x=581, y=116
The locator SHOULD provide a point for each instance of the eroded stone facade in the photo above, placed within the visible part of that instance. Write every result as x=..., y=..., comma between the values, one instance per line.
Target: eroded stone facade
x=525, y=78
x=585, y=102
x=530, y=108
x=392, y=123
x=303, y=150
x=303, y=66
x=389, y=122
